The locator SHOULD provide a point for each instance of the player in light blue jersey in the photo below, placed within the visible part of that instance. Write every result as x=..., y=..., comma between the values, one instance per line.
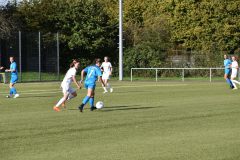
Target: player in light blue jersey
x=14, y=78
x=227, y=70
x=93, y=74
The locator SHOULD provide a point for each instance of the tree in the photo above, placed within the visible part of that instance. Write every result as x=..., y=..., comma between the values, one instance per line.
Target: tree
x=8, y=23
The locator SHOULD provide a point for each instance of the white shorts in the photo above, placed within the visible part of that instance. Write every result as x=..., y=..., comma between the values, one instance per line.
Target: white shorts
x=66, y=88
x=106, y=75
x=234, y=74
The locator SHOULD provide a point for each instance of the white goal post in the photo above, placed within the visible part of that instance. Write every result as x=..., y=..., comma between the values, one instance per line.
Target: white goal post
x=181, y=69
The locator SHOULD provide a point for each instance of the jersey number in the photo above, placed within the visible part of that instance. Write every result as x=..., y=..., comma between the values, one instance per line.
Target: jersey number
x=91, y=72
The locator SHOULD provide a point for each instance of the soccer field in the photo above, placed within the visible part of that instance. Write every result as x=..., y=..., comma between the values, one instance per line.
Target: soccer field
x=140, y=121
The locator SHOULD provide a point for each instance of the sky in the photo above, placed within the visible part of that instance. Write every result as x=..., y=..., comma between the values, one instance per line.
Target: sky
x=4, y=2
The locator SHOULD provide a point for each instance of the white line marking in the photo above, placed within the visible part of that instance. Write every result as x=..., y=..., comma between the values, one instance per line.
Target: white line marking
x=53, y=91
x=156, y=85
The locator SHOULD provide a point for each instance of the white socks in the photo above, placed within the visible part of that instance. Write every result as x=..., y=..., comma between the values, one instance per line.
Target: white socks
x=70, y=97
x=108, y=85
x=60, y=102
x=234, y=81
x=105, y=89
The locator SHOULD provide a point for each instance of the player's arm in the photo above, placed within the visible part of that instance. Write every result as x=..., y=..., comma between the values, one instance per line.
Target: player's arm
x=75, y=81
x=82, y=75
x=1, y=67
x=100, y=80
x=237, y=67
x=13, y=69
x=101, y=67
x=99, y=73
x=8, y=70
x=111, y=69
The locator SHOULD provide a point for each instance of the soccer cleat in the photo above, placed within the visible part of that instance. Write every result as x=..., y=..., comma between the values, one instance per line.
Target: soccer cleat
x=235, y=88
x=111, y=90
x=57, y=109
x=105, y=91
x=92, y=108
x=81, y=107
x=16, y=96
x=8, y=96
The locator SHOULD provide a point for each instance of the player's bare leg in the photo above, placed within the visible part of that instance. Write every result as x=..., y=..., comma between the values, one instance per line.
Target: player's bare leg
x=70, y=96
x=105, y=88
x=60, y=102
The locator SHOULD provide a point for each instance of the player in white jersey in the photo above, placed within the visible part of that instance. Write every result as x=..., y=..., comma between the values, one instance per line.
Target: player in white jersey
x=234, y=67
x=107, y=72
x=68, y=91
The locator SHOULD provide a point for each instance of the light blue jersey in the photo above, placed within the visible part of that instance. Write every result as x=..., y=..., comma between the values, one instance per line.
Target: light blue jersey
x=227, y=63
x=93, y=72
x=14, y=74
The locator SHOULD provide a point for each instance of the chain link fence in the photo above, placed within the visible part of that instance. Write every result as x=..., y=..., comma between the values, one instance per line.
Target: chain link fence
x=36, y=54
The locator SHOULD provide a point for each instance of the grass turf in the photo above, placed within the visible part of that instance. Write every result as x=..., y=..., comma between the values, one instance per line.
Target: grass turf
x=140, y=121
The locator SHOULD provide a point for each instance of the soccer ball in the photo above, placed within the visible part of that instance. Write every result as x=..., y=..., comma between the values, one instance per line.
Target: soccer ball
x=99, y=105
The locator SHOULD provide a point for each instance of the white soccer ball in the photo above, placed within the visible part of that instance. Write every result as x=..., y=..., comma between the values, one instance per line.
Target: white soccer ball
x=99, y=105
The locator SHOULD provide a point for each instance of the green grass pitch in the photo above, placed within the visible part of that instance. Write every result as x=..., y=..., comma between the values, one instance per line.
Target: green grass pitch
x=140, y=121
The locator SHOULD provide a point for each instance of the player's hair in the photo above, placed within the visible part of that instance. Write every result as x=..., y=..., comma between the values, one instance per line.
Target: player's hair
x=74, y=61
x=227, y=56
x=97, y=60
x=236, y=58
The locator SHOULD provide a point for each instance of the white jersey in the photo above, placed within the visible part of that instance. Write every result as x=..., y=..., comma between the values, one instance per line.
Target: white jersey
x=234, y=66
x=106, y=67
x=234, y=69
x=69, y=75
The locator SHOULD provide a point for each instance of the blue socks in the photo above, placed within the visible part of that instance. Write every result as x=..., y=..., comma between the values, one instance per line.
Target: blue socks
x=13, y=91
x=229, y=82
x=85, y=100
x=91, y=101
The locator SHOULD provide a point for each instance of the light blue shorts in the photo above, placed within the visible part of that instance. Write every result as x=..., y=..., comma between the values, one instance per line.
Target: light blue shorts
x=90, y=85
x=14, y=79
x=227, y=71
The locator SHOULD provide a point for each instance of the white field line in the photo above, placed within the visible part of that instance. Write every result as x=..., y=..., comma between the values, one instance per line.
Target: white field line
x=52, y=91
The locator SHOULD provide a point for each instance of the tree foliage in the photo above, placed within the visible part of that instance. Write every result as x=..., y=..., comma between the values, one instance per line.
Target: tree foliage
x=90, y=27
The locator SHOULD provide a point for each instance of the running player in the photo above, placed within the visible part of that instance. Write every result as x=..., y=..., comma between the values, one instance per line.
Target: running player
x=227, y=71
x=107, y=72
x=68, y=91
x=234, y=67
x=14, y=78
x=93, y=74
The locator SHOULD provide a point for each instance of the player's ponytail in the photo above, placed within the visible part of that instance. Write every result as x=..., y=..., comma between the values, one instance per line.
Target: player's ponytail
x=74, y=61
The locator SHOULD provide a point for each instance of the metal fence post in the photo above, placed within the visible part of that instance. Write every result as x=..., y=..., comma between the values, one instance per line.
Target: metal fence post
x=183, y=75
x=20, y=54
x=210, y=75
x=156, y=75
x=58, y=67
x=39, y=54
x=131, y=75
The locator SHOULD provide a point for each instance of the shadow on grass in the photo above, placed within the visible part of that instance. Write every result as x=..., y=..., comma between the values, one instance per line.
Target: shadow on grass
x=87, y=107
x=125, y=108
x=119, y=108
x=133, y=91
x=36, y=96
